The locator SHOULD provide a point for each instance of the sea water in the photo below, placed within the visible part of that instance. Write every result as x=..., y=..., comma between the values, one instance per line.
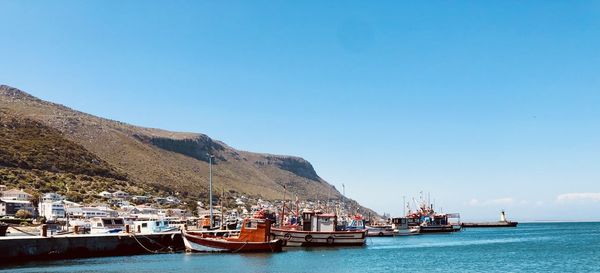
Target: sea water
x=531, y=247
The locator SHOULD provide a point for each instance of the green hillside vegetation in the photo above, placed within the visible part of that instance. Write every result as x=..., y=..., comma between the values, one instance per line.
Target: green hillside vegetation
x=28, y=144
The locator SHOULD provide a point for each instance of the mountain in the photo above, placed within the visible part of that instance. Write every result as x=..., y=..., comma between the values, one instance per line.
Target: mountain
x=47, y=146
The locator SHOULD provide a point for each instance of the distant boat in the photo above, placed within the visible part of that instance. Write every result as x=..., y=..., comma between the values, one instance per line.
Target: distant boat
x=380, y=231
x=319, y=229
x=430, y=221
x=502, y=223
x=398, y=227
x=401, y=227
x=253, y=237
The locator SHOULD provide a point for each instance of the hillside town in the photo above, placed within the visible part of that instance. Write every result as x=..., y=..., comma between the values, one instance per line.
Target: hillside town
x=53, y=207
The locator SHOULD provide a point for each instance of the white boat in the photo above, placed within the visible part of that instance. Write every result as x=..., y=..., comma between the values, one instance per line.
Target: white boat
x=107, y=225
x=319, y=229
x=380, y=231
x=152, y=226
x=401, y=227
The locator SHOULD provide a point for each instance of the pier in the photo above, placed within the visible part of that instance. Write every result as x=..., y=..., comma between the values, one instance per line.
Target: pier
x=29, y=248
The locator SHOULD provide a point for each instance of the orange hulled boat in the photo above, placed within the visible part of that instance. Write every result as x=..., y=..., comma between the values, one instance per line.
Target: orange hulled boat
x=254, y=237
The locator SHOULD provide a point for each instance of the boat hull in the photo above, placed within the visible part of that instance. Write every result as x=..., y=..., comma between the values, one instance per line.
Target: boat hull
x=440, y=229
x=198, y=243
x=297, y=238
x=380, y=232
x=407, y=232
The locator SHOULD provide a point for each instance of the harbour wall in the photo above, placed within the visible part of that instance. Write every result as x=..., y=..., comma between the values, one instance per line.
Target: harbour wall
x=28, y=248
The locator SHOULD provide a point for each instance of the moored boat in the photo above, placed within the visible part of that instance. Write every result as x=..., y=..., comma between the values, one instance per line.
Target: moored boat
x=401, y=227
x=428, y=221
x=380, y=231
x=107, y=225
x=437, y=223
x=319, y=229
x=153, y=226
x=253, y=237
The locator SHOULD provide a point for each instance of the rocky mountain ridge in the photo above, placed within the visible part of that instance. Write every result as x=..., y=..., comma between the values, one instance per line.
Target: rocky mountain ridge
x=174, y=162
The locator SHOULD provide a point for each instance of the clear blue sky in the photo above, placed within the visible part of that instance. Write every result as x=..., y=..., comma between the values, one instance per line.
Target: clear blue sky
x=487, y=105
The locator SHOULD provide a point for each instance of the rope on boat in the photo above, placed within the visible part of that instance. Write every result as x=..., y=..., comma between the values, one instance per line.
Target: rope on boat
x=161, y=250
x=240, y=247
x=271, y=247
x=154, y=241
x=22, y=231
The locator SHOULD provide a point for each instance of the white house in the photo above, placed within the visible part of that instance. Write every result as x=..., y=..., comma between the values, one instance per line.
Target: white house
x=69, y=204
x=171, y=212
x=52, y=210
x=120, y=195
x=52, y=197
x=122, y=203
x=105, y=194
x=90, y=212
x=144, y=210
x=172, y=200
x=9, y=207
x=160, y=200
x=15, y=194
x=140, y=198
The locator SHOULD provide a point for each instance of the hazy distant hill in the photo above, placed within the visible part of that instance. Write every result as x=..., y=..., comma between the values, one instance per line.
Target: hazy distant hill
x=44, y=141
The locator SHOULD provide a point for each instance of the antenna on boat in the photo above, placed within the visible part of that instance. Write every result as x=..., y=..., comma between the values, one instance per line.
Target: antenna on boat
x=344, y=196
x=429, y=200
x=403, y=205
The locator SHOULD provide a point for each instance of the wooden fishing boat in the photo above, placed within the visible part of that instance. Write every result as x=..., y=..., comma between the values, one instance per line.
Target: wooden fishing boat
x=319, y=229
x=254, y=237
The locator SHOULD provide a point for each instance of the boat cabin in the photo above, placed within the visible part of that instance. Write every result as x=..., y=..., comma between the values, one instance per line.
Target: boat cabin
x=255, y=230
x=317, y=221
x=177, y=223
x=107, y=225
x=357, y=223
x=152, y=226
x=400, y=223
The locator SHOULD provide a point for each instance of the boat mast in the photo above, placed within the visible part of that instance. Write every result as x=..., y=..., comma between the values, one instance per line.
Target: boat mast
x=403, y=206
x=297, y=208
x=429, y=200
x=210, y=157
x=222, y=210
x=282, y=208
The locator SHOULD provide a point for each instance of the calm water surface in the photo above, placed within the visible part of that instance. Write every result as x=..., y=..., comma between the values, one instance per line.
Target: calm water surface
x=539, y=247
